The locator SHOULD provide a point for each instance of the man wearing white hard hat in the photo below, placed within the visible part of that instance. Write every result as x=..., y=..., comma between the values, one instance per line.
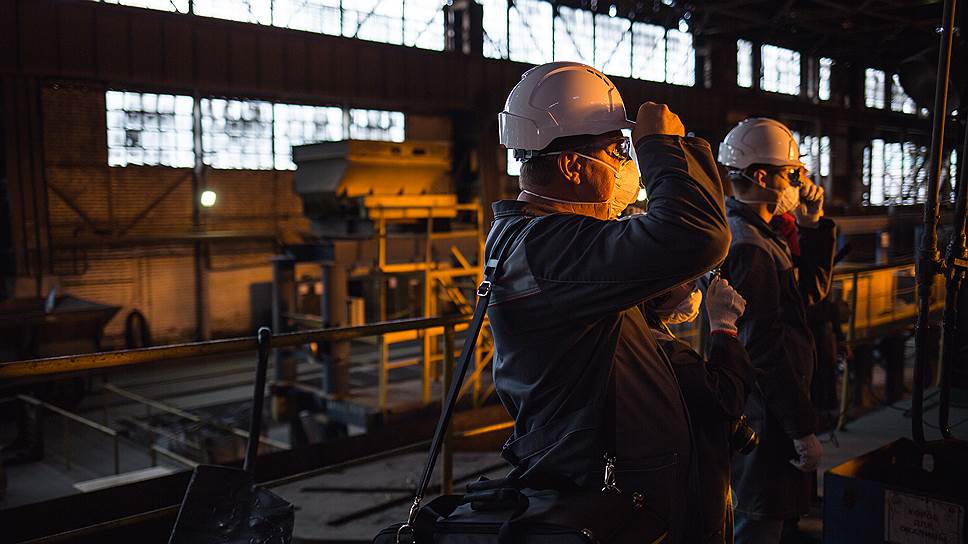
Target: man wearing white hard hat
x=575, y=365
x=772, y=484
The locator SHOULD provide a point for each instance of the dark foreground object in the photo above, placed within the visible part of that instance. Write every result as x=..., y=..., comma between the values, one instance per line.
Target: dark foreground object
x=901, y=492
x=222, y=505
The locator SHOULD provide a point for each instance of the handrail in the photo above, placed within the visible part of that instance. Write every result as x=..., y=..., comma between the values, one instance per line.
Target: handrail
x=108, y=359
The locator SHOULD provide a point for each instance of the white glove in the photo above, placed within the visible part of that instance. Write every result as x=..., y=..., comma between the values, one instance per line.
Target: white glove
x=810, y=210
x=723, y=305
x=809, y=453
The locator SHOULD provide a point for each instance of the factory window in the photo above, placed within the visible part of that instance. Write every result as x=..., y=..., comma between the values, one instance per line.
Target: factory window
x=237, y=133
x=514, y=165
x=826, y=66
x=680, y=58
x=531, y=24
x=613, y=45
x=375, y=20
x=894, y=173
x=815, y=154
x=874, y=88
x=423, y=24
x=296, y=125
x=180, y=6
x=246, y=11
x=495, y=28
x=744, y=63
x=649, y=52
x=900, y=101
x=321, y=16
x=575, y=35
x=149, y=129
x=779, y=70
x=375, y=125
x=950, y=174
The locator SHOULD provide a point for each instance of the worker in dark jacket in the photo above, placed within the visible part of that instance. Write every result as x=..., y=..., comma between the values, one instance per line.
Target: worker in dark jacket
x=772, y=484
x=715, y=390
x=575, y=364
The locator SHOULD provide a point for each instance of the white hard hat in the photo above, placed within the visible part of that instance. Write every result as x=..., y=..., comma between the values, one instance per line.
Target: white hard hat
x=560, y=99
x=759, y=140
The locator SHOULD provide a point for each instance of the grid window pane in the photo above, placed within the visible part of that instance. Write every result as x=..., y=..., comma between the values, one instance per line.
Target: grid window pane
x=374, y=20
x=826, y=66
x=613, y=45
x=247, y=11
x=874, y=88
x=680, y=58
x=141, y=131
x=531, y=29
x=297, y=125
x=648, y=61
x=900, y=101
x=779, y=70
x=495, y=28
x=322, y=16
x=895, y=173
x=237, y=133
x=376, y=125
x=574, y=35
x=423, y=22
x=744, y=63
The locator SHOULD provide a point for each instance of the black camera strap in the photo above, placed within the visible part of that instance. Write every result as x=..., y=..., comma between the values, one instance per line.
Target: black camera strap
x=470, y=341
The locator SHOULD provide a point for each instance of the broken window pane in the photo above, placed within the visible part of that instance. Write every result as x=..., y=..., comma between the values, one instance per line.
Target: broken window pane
x=237, y=133
x=374, y=20
x=149, y=129
x=779, y=70
x=874, y=88
x=297, y=125
x=423, y=24
x=744, y=63
x=900, y=101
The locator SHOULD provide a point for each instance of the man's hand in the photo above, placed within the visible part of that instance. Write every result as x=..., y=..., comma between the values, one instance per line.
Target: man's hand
x=723, y=305
x=656, y=119
x=810, y=210
x=809, y=453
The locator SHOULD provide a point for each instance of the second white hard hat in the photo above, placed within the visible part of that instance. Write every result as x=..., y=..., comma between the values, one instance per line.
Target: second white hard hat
x=759, y=140
x=560, y=99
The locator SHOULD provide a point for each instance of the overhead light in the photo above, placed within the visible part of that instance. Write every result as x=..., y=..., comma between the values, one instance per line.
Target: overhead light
x=208, y=198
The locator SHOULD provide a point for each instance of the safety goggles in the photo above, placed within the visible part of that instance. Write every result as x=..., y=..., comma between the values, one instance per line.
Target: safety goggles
x=619, y=148
x=792, y=174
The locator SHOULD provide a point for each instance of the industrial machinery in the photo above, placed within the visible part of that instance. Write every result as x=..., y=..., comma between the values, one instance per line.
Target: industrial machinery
x=389, y=241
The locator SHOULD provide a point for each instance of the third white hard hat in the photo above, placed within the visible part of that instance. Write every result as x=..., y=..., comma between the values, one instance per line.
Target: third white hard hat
x=759, y=140
x=560, y=99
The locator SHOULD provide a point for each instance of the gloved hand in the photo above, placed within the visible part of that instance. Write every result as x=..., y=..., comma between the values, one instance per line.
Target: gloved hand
x=723, y=305
x=656, y=119
x=810, y=210
x=809, y=453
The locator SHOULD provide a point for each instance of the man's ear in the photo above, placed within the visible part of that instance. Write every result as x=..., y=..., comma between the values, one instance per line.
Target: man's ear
x=758, y=177
x=570, y=167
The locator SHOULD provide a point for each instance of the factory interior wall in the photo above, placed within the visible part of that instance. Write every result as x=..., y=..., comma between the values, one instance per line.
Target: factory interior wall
x=95, y=208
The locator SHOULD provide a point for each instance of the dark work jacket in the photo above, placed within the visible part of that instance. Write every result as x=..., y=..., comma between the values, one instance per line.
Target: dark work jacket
x=715, y=391
x=776, y=335
x=564, y=318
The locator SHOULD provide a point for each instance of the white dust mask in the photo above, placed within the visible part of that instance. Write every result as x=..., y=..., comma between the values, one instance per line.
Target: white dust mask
x=786, y=200
x=626, y=188
x=687, y=310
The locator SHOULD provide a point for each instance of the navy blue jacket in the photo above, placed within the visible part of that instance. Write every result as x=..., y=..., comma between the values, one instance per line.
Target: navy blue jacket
x=575, y=364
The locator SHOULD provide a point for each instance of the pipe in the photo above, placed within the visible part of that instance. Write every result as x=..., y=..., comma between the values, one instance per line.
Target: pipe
x=91, y=361
x=928, y=257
